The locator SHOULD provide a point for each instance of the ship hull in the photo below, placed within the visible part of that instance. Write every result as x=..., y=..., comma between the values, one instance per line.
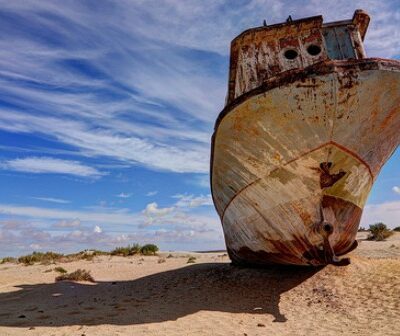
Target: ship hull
x=293, y=161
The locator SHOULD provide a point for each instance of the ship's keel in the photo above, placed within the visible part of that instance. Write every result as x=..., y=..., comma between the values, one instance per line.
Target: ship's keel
x=332, y=236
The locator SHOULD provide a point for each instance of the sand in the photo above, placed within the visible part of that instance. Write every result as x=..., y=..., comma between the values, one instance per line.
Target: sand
x=142, y=296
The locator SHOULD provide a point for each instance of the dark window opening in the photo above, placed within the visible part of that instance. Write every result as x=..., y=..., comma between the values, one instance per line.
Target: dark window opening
x=314, y=50
x=291, y=54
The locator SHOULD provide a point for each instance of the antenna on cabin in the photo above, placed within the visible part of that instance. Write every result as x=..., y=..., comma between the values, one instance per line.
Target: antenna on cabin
x=289, y=19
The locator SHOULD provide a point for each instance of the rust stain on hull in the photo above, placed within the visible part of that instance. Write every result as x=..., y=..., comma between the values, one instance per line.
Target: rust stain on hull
x=301, y=141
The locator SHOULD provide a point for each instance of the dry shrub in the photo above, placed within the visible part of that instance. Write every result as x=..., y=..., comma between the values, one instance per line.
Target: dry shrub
x=379, y=232
x=8, y=260
x=126, y=251
x=191, y=260
x=44, y=258
x=78, y=275
x=149, y=249
x=61, y=270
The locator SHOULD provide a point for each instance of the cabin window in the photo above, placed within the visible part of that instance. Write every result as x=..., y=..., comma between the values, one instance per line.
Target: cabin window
x=314, y=50
x=291, y=54
x=338, y=42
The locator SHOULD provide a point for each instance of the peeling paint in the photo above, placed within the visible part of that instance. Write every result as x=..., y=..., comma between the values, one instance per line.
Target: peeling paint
x=300, y=142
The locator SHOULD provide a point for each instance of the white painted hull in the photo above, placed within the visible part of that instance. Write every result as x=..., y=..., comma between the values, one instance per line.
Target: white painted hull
x=271, y=183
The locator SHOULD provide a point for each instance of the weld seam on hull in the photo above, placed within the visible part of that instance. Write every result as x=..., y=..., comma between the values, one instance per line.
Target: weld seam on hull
x=333, y=143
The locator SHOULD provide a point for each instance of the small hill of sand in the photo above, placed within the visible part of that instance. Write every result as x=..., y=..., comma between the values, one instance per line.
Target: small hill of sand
x=146, y=296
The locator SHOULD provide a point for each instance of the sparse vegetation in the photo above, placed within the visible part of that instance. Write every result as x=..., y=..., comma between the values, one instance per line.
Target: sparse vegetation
x=170, y=256
x=47, y=258
x=191, y=260
x=397, y=229
x=362, y=229
x=379, y=232
x=78, y=275
x=149, y=249
x=8, y=260
x=126, y=251
x=161, y=260
x=44, y=258
x=61, y=270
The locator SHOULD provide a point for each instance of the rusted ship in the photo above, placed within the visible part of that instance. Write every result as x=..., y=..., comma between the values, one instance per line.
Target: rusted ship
x=309, y=122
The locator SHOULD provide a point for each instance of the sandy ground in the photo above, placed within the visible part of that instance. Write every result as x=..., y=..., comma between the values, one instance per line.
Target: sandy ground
x=140, y=296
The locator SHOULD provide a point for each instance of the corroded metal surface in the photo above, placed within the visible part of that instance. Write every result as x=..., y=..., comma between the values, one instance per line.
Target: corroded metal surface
x=295, y=154
x=258, y=53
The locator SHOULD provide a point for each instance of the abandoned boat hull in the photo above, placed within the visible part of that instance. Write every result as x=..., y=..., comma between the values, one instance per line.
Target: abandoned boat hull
x=293, y=161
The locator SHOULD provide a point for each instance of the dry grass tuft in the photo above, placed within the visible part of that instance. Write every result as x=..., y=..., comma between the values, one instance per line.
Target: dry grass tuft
x=78, y=275
x=60, y=269
x=191, y=260
x=44, y=258
x=8, y=260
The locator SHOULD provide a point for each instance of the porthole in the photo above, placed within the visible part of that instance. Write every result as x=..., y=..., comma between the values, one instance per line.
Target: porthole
x=328, y=228
x=291, y=54
x=314, y=50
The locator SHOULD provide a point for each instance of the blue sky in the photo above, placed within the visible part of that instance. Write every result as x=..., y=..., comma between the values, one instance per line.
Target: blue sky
x=106, y=113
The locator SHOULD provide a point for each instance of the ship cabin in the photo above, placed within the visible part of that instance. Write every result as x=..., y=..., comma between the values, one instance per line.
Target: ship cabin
x=260, y=54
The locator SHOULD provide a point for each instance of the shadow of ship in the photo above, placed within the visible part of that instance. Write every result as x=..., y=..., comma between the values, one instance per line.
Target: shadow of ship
x=160, y=297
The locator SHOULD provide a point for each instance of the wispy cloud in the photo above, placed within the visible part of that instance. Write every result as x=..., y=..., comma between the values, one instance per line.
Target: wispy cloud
x=97, y=216
x=152, y=193
x=193, y=201
x=74, y=223
x=48, y=165
x=388, y=213
x=152, y=213
x=124, y=195
x=170, y=227
x=28, y=237
x=119, y=86
x=152, y=210
x=175, y=214
x=51, y=199
x=97, y=229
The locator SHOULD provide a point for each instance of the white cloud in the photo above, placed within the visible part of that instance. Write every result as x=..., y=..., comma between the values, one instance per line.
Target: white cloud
x=43, y=165
x=108, y=215
x=35, y=246
x=178, y=214
x=152, y=193
x=388, y=213
x=51, y=199
x=97, y=229
x=192, y=201
x=184, y=232
x=177, y=157
x=68, y=223
x=167, y=100
x=124, y=195
x=396, y=189
x=152, y=210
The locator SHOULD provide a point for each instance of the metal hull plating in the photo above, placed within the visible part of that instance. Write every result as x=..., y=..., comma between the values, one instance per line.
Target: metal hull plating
x=301, y=150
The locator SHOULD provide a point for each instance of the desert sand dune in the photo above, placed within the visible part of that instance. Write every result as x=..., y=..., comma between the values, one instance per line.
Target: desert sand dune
x=139, y=296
